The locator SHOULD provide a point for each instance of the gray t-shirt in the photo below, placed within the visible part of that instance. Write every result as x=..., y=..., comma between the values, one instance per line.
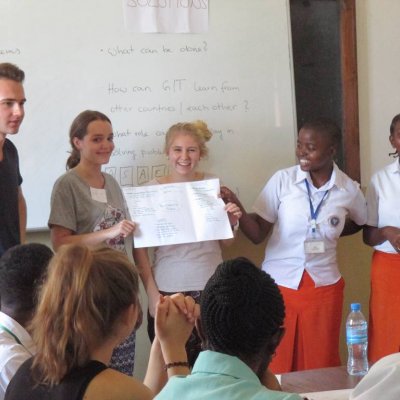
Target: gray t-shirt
x=75, y=207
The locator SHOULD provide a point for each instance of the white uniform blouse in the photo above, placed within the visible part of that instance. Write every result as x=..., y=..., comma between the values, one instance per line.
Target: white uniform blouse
x=12, y=353
x=383, y=196
x=284, y=201
x=381, y=381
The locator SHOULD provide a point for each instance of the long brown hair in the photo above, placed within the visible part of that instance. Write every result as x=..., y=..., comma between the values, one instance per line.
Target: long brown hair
x=79, y=130
x=80, y=303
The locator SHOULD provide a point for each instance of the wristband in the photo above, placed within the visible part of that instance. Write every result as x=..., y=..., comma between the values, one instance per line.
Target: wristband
x=176, y=364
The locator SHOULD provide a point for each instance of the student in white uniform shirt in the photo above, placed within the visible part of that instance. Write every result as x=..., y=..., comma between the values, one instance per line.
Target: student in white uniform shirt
x=21, y=270
x=307, y=207
x=382, y=231
x=381, y=381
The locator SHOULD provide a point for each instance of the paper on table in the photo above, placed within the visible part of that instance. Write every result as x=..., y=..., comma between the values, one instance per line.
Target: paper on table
x=328, y=395
x=177, y=213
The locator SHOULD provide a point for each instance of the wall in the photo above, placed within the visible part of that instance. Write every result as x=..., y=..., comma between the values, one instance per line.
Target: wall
x=379, y=79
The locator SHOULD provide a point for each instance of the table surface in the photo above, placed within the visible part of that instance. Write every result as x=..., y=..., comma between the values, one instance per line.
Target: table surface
x=317, y=380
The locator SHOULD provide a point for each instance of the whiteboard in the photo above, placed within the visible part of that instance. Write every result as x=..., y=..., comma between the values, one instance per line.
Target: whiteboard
x=78, y=55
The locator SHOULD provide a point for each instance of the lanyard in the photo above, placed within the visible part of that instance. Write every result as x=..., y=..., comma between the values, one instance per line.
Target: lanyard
x=314, y=213
x=12, y=334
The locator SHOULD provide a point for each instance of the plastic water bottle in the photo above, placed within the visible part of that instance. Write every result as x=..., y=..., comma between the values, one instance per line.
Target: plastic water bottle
x=357, y=341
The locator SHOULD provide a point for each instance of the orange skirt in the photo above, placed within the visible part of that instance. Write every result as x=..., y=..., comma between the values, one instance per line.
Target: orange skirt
x=312, y=327
x=384, y=306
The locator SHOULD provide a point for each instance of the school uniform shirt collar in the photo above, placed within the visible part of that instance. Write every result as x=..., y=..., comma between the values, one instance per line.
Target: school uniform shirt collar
x=212, y=362
x=394, y=167
x=18, y=330
x=336, y=178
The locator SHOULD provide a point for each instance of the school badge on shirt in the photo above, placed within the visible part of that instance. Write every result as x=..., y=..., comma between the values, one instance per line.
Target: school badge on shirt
x=334, y=221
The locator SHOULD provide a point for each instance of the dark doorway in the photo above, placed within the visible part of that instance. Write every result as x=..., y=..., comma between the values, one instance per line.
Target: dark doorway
x=325, y=70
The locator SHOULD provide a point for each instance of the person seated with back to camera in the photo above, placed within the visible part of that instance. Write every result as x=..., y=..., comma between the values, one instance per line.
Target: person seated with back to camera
x=381, y=381
x=22, y=269
x=88, y=305
x=241, y=318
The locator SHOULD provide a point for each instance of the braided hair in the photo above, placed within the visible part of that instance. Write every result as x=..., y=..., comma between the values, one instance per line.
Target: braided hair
x=242, y=310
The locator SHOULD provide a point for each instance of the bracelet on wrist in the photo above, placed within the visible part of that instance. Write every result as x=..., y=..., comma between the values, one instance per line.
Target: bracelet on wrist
x=176, y=364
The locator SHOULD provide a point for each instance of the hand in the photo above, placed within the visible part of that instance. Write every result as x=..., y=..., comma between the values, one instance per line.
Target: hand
x=269, y=380
x=175, y=317
x=392, y=234
x=187, y=305
x=123, y=228
x=234, y=213
x=228, y=196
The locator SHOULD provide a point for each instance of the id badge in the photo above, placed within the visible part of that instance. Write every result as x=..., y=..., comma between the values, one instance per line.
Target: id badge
x=314, y=246
x=98, y=195
x=314, y=243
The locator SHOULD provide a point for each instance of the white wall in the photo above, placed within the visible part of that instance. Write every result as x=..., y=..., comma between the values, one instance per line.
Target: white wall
x=378, y=51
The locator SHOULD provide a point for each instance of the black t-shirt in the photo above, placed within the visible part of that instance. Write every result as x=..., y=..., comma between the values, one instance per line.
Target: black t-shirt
x=72, y=387
x=10, y=180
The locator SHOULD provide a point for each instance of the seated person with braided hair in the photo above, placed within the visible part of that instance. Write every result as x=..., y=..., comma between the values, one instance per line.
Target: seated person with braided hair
x=241, y=318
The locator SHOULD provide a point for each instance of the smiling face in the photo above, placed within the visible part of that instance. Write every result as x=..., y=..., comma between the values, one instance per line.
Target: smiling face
x=184, y=156
x=97, y=145
x=12, y=100
x=315, y=152
x=394, y=137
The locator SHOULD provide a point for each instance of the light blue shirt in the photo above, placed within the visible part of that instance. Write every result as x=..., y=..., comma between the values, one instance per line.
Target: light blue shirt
x=218, y=376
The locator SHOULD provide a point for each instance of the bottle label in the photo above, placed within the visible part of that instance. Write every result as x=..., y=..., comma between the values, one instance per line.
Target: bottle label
x=355, y=336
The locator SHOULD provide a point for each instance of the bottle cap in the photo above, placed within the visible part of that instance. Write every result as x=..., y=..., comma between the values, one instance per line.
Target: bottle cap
x=355, y=307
